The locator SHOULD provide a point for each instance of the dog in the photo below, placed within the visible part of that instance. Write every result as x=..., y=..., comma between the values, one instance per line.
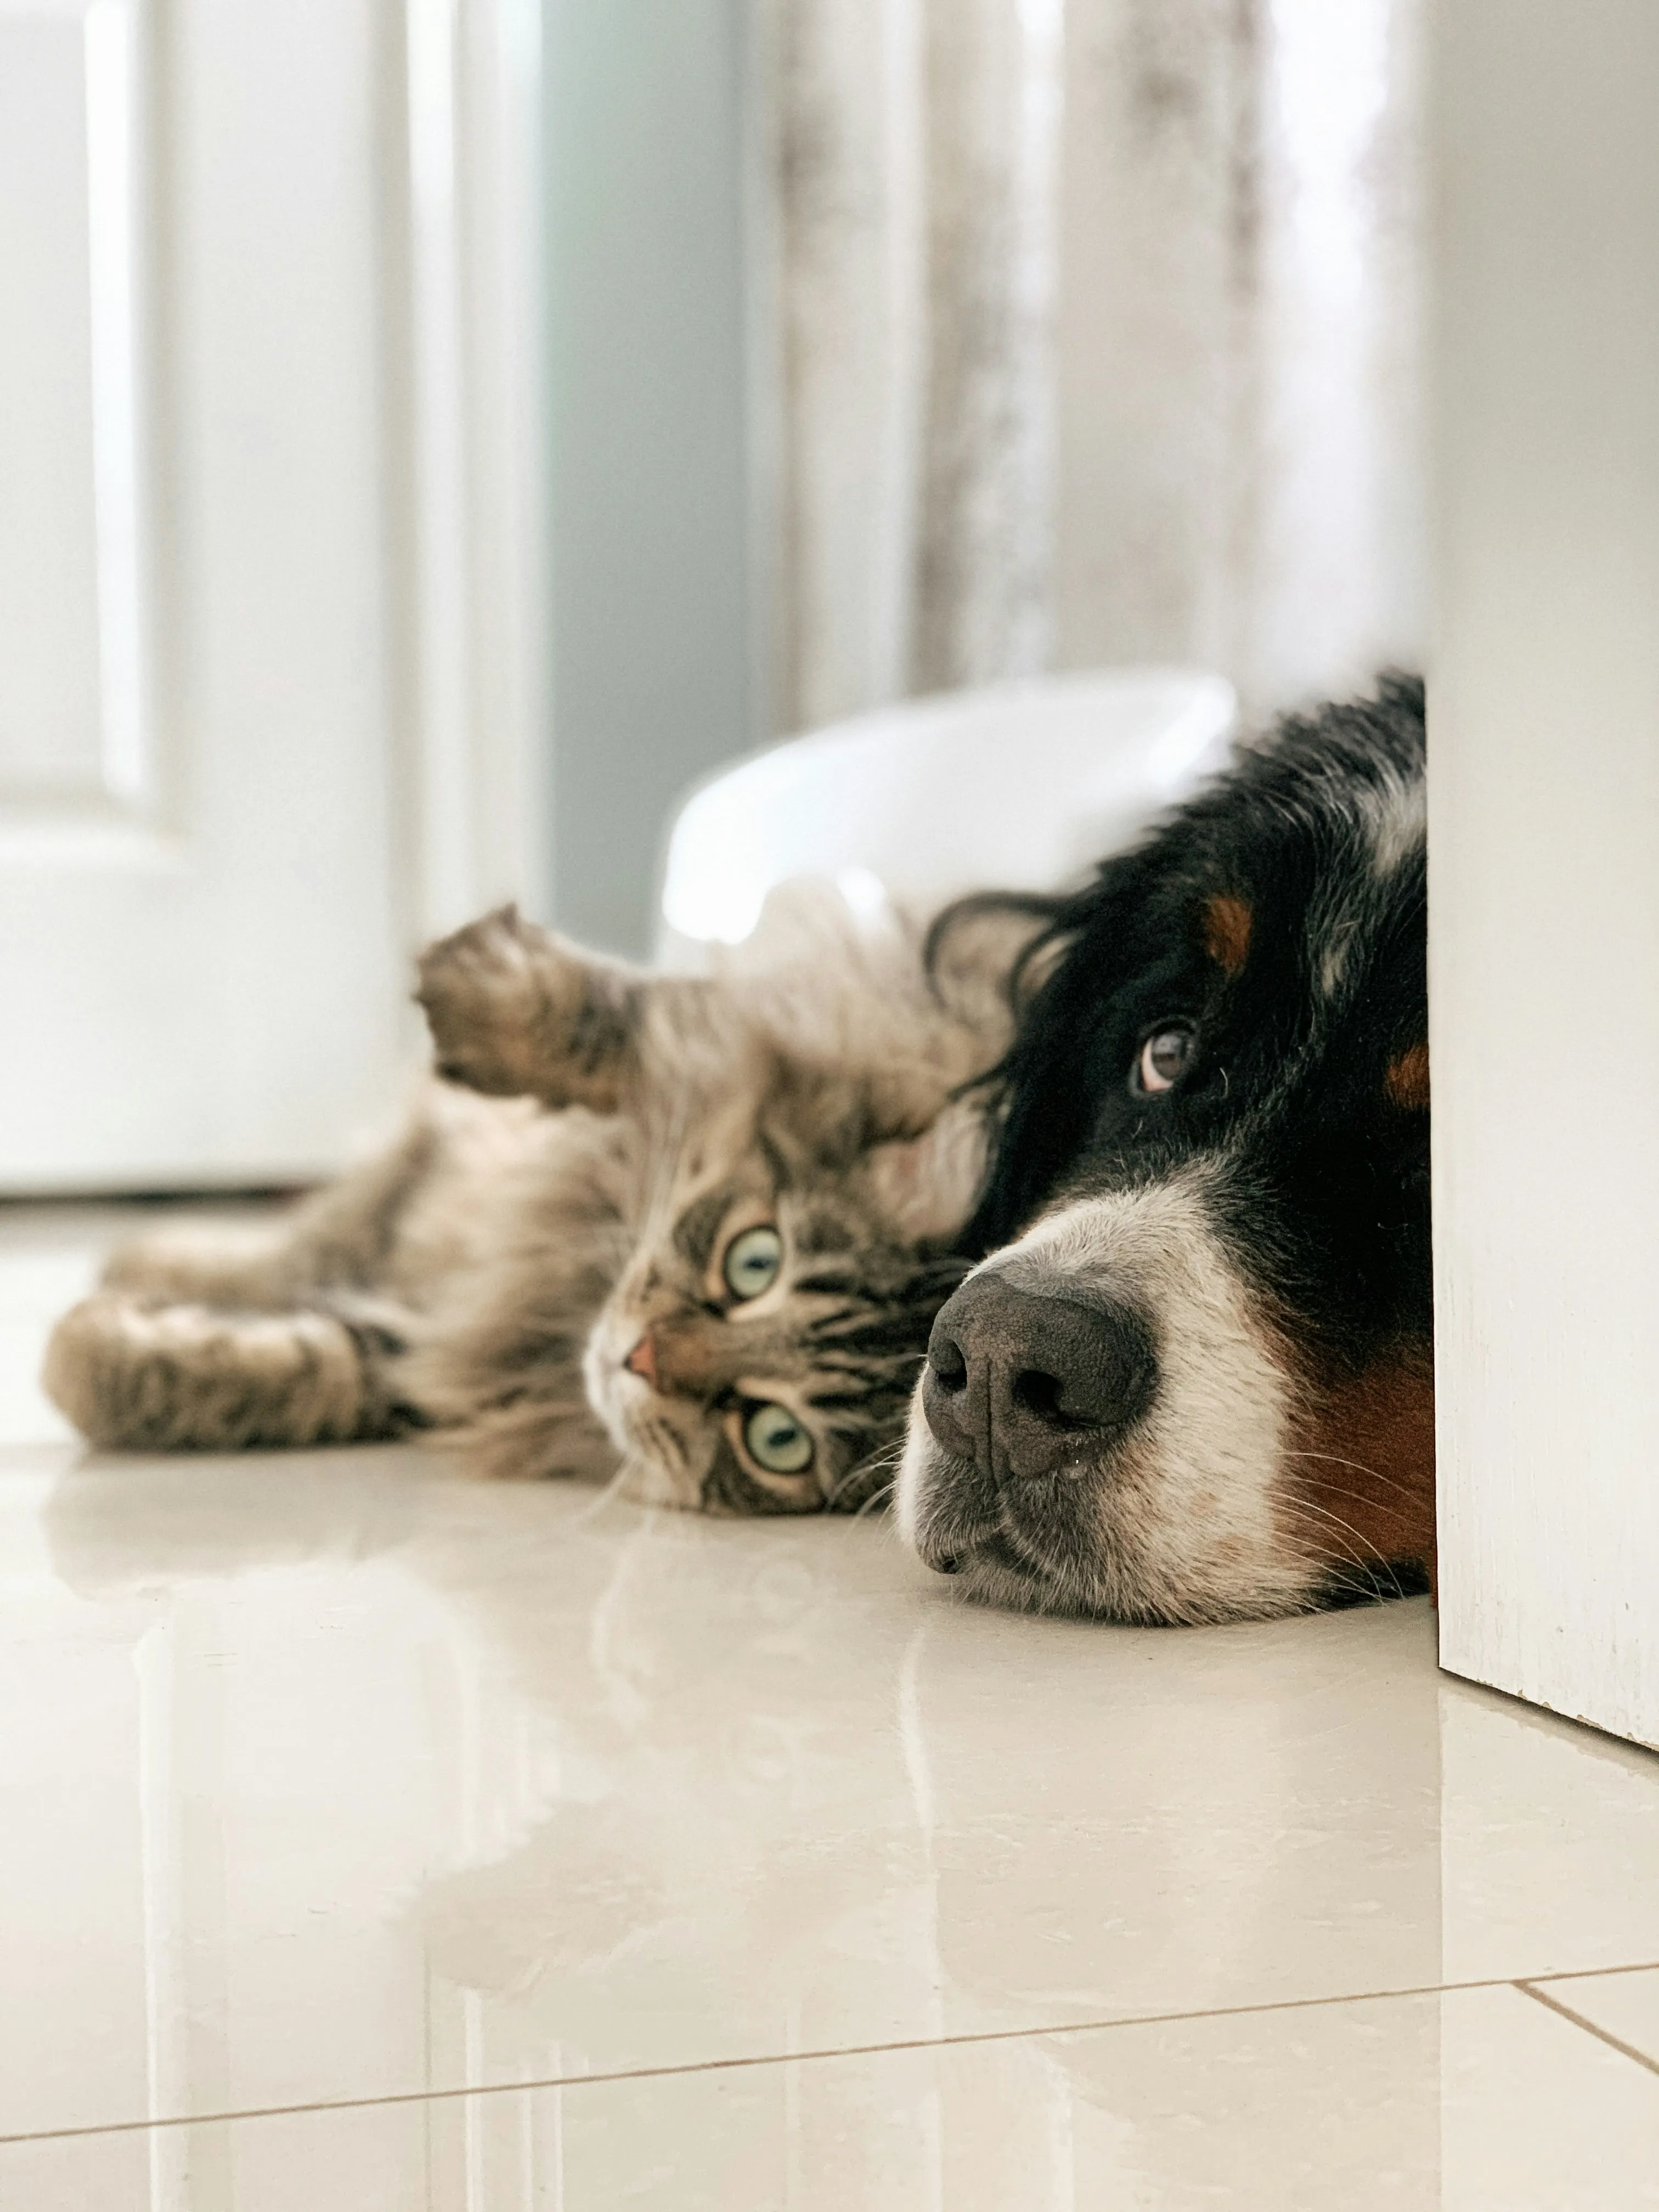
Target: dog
x=1192, y=1381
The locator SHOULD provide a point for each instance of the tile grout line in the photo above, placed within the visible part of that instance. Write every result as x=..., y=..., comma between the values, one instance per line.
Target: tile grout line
x=1586, y=1973
x=838, y=2050
x=1602, y=2034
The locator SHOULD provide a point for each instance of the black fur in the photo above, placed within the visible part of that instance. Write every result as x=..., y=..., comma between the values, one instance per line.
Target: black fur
x=1277, y=923
x=1330, y=1195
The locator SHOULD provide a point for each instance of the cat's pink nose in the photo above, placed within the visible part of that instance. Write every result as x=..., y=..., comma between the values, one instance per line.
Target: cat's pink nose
x=642, y=1360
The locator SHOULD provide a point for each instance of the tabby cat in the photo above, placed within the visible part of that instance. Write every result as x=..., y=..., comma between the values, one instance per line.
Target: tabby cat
x=696, y=1237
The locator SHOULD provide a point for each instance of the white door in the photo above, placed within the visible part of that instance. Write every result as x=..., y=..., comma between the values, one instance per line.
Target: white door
x=268, y=688
x=1544, y=853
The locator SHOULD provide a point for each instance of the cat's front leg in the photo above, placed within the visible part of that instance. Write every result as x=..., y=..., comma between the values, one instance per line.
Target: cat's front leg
x=171, y=1377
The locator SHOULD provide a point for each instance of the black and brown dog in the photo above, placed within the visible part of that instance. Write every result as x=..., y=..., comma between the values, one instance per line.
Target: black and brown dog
x=1193, y=1379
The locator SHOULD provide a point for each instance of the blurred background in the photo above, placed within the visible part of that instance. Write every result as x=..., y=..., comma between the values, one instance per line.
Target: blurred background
x=903, y=344
x=435, y=433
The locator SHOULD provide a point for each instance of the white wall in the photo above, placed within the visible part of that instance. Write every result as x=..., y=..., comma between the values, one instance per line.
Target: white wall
x=1544, y=829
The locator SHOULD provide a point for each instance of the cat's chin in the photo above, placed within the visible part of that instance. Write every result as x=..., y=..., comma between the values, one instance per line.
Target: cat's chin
x=645, y=1476
x=612, y=1392
x=644, y=1481
x=640, y=1429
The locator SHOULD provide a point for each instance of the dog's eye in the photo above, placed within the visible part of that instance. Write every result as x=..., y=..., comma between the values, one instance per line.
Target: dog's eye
x=751, y=1263
x=1164, y=1060
x=777, y=1440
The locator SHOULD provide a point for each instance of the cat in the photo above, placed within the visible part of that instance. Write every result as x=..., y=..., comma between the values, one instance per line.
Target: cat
x=689, y=1233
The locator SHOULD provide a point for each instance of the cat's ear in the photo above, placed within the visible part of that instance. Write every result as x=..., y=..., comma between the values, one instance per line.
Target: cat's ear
x=927, y=1185
x=517, y=1011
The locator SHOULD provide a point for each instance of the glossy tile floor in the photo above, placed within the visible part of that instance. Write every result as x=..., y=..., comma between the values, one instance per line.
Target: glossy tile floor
x=372, y=1840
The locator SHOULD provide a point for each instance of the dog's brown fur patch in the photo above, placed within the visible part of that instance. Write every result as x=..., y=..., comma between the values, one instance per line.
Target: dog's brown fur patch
x=1362, y=1456
x=1228, y=921
x=1408, y=1079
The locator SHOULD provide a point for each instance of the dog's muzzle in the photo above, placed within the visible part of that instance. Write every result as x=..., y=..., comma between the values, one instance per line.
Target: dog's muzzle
x=1100, y=1425
x=1024, y=1384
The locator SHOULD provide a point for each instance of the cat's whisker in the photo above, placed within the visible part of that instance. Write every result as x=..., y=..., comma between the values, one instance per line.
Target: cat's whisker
x=607, y=1494
x=883, y=1463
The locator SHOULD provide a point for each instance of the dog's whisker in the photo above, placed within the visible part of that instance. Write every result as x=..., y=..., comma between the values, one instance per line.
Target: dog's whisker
x=1375, y=1474
x=1353, y=1496
x=1367, y=1568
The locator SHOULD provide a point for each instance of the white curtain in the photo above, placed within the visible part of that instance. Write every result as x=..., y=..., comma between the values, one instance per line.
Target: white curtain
x=1096, y=330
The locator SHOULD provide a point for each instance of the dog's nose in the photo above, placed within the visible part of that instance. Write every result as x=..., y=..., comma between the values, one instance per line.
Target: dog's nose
x=1023, y=1384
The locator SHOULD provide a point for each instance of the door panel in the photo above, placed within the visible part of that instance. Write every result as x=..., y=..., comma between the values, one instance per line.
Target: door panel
x=218, y=785
x=1544, y=829
x=71, y=724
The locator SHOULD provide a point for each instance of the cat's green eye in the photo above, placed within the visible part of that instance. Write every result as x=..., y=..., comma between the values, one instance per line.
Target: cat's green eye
x=751, y=1263
x=777, y=1440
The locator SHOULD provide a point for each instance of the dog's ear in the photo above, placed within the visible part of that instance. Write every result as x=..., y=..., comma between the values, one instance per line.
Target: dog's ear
x=927, y=1185
x=517, y=1011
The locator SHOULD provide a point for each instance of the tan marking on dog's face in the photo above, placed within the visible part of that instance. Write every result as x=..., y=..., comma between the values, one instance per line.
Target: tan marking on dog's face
x=1408, y=1079
x=1359, y=1467
x=1228, y=921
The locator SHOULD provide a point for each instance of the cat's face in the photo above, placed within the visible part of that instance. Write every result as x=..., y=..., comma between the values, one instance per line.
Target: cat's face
x=798, y=1171
x=758, y=1354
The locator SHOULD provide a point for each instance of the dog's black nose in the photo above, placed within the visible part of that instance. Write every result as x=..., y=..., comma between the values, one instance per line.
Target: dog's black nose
x=1023, y=1384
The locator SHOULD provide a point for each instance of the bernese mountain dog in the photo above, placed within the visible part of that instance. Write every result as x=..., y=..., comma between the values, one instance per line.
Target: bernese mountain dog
x=1192, y=1381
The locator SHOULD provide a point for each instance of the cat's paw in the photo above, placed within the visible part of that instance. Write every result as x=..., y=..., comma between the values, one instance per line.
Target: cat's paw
x=483, y=1001
x=515, y=1012
x=184, y=1377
